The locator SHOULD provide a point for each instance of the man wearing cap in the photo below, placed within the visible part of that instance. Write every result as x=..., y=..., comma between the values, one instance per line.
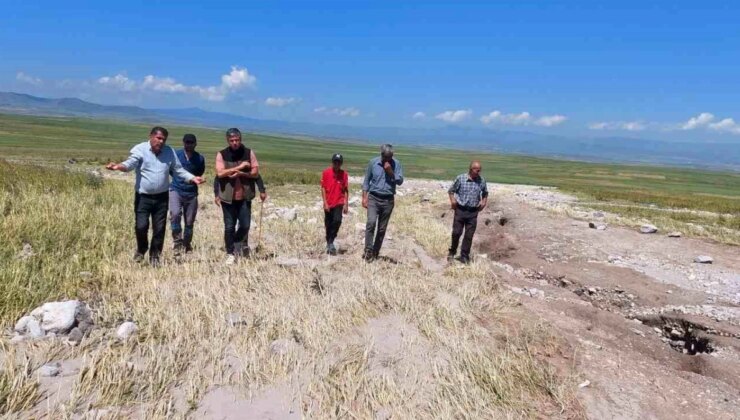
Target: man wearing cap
x=184, y=197
x=154, y=161
x=334, y=192
x=236, y=168
x=468, y=196
x=382, y=176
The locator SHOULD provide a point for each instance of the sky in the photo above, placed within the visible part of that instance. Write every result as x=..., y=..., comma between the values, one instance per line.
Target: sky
x=660, y=69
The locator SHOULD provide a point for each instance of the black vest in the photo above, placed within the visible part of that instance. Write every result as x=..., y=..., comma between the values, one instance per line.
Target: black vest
x=226, y=185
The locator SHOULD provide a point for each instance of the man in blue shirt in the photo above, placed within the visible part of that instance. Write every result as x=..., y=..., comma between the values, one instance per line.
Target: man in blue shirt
x=382, y=176
x=468, y=196
x=184, y=196
x=153, y=162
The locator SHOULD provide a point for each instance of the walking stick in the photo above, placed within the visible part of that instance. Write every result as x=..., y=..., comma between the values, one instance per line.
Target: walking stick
x=259, y=229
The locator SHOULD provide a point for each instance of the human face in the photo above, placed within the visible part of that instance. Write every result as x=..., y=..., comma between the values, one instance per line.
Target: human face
x=234, y=141
x=474, y=170
x=157, y=141
x=337, y=165
x=387, y=157
x=189, y=146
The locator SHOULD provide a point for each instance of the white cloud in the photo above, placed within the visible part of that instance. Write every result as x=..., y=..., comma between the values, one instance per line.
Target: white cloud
x=342, y=112
x=700, y=120
x=280, y=102
x=26, y=78
x=454, y=116
x=727, y=125
x=419, y=116
x=618, y=125
x=550, y=120
x=237, y=79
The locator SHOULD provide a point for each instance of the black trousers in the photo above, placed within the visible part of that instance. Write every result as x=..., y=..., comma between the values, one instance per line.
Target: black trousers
x=379, y=210
x=154, y=207
x=465, y=219
x=332, y=223
x=238, y=211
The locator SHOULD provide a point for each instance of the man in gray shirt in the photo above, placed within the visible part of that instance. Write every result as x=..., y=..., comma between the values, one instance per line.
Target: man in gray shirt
x=468, y=196
x=382, y=176
x=153, y=161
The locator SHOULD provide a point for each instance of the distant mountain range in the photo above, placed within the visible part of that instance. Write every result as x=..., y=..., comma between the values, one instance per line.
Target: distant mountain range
x=611, y=149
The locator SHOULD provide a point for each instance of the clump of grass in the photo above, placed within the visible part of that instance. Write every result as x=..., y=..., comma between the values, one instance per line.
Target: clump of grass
x=73, y=222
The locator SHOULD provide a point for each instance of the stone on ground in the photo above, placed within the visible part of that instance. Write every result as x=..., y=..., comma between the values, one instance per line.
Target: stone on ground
x=126, y=330
x=704, y=259
x=674, y=235
x=59, y=317
x=48, y=370
x=648, y=228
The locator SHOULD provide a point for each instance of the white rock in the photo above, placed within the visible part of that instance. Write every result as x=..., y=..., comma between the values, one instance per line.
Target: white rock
x=59, y=317
x=34, y=329
x=22, y=324
x=704, y=259
x=614, y=258
x=289, y=214
x=584, y=384
x=48, y=370
x=648, y=228
x=126, y=330
x=288, y=262
x=674, y=235
x=17, y=339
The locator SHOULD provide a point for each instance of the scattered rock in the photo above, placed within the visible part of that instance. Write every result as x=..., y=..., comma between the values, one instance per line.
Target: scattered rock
x=59, y=317
x=648, y=228
x=638, y=332
x=598, y=214
x=614, y=258
x=289, y=214
x=22, y=324
x=126, y=330
x=597, y=226
x=48, y=370
x=283, y=346
x=584, y=384
x=288, y=262
x=72, y=161
x=704, y=259
x=426, y=199
x=75, y=336
x=675, y=235
x=34, y=329
x=26, y=253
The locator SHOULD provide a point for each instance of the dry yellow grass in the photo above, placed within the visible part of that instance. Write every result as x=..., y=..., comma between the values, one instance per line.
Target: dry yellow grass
x=367, y=339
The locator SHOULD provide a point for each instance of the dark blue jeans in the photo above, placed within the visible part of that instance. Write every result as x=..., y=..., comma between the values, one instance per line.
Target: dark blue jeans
x=239, y=211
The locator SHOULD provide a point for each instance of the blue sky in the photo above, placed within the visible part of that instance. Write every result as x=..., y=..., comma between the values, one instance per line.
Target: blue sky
x=597, y=68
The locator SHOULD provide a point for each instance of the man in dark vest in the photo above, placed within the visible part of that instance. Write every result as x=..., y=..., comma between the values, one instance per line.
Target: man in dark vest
x=236, y=169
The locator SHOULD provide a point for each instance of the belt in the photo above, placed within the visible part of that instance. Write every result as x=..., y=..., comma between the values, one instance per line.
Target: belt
x=467, y=208
x=382, y=196
x=153, y=195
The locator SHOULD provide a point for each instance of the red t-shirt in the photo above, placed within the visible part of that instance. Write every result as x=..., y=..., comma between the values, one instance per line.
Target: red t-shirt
x=334, y=185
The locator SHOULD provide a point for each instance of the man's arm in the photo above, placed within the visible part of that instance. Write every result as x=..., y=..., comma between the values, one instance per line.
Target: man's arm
x=453, y=189
x=484, y=196
x=398, y=173
x=133, y=161
x=253, y=167
x=201, y=169
x=221, y=170
x=345, y=210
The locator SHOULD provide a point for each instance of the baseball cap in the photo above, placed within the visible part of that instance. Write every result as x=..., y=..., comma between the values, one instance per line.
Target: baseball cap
x=337, y=158
x=189, y=138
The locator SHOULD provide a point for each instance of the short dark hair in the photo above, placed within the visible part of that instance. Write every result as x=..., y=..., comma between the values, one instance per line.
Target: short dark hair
x=189, y=138
x=161, y=130
x=233, y=132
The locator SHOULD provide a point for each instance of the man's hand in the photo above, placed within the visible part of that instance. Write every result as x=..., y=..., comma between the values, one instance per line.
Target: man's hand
x=453, y=203
x=345, y=210
x=388, y=168
x=263, y=196
x=217, y=200
x=482, y=205
x=198, y=180
x=364, y=201
x=112, y=166
x=326, y=207
x=244, y=165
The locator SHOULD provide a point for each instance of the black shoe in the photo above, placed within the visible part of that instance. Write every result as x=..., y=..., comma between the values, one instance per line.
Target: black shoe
x=138, y=257
x=368, y=255
x=450, y=258
x=245, y=252
x=331, y=249
x=155, y=262
x=188, y=249
x=465, y=259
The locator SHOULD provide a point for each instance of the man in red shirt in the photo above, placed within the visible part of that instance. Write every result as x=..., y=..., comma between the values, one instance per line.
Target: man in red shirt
x=334, y=191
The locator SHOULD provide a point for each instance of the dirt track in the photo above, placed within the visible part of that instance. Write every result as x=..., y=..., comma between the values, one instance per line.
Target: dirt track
x=631, y=306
